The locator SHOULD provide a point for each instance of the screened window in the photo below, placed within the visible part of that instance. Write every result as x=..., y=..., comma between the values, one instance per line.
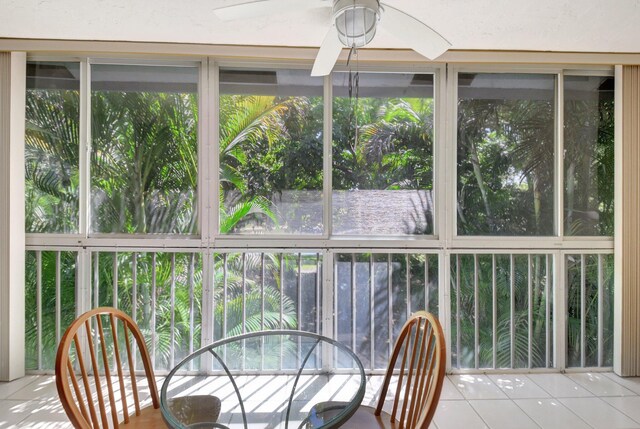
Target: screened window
x=271, y=177
x=144, y=160
x=506, y=146
x=588, y=155
x=382, y=154
x=52, y=147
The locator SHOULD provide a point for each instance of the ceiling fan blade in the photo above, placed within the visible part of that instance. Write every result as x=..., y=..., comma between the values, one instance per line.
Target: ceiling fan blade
x=328, y=53
x=258, y=8
x=418, y=35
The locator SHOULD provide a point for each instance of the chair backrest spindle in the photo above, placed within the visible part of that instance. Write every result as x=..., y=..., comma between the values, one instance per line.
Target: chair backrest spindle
x=134, y=384
x=116, y=351
x=81, y=407
x=107, y=374
x=96, y=375
x=421, y=375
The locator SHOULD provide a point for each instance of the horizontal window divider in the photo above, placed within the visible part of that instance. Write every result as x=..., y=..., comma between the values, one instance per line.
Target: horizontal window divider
x=506, y=371
x=42, y=242
x=329, y=244
x=94, y=243
x=494, y=243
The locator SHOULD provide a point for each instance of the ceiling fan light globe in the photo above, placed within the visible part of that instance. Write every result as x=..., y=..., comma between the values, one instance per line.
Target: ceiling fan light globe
x=356, y=21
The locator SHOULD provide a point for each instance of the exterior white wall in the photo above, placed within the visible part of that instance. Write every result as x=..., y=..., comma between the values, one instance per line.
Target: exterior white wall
x=12, y=236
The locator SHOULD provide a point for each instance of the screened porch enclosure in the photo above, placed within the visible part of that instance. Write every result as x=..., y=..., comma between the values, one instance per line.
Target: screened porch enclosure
x=212, y=199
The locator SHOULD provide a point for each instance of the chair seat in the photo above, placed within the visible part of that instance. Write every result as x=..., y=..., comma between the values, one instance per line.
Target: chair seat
x=149, y=418
x=365, y=418
x=194, y=409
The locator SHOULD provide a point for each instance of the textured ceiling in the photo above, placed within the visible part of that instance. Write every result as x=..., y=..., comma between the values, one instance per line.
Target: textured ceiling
x=538, y=25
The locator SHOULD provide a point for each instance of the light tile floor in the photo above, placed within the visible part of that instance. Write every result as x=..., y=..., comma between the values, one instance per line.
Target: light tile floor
x=585, y=400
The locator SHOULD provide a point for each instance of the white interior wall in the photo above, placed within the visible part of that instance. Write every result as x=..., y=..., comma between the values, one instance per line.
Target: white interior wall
x=541, y=25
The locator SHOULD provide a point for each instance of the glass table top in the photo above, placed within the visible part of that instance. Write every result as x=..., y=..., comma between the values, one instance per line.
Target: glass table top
x=270, y=379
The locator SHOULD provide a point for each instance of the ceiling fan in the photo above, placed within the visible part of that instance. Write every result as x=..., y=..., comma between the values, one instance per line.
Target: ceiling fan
x=354, y=25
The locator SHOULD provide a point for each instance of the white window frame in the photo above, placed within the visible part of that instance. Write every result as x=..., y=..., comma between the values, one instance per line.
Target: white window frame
x=443, y=242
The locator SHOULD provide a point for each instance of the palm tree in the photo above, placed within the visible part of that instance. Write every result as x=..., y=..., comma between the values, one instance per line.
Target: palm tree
x=144, y=162
x=51, y=160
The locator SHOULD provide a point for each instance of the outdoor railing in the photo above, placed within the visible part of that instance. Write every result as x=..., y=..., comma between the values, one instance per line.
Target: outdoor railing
x=502, y=310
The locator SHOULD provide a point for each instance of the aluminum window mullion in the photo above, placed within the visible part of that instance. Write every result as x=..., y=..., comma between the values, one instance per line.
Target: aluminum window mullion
x=96, y=284
x=449, y=160
x=114, y=288
x=152, y=322
x=225, y=279
x=372, y=285
x=427, y=292
x=115, y=279
x=207, y=314
x=494, y=311
x=244, y=292
x=560, y=311
x=583, y=306
x=281, y=289
x=173, y=311
x=458, y=335
x=476, y=321
x=244, y=308
x=318, y=304
x=58, y=317
x=299, y=301
x=262, y=273
x=299, y=287
x=328, y=303
x=547, y=304
x=213, y=154
x=281, y=305
x=390, y=297
x=134, y=286
x=529, y=310
x=134, y=299
x=318, y=291
x=353, y=301
x=408, y=284
x=327, y=156
x=204, y=147
x=84, y=150
x=512, y=309
x=191, y=304
x=96, y=300
x=444, y=299
x=559, y=156
x=600, y=311
x=39, y=305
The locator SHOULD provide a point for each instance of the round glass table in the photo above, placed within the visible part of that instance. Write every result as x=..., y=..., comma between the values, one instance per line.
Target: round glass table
x=269, y=379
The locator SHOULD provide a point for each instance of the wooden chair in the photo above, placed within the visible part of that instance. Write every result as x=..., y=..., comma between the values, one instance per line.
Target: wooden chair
x=419, y=358
x=100, y=334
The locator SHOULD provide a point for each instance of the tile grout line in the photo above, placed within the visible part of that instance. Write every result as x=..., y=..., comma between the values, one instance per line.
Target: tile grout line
x=618, y=409
x=520, y=408
x=564, y=406
x=471, y=406
x=541, y=387
x=510, y=400
x=636, y=394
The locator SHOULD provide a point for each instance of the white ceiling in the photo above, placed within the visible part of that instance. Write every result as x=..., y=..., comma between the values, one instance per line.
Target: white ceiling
x=539, y=25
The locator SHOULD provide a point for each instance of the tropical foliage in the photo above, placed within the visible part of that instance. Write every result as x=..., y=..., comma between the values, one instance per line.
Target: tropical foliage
x=144, y=180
